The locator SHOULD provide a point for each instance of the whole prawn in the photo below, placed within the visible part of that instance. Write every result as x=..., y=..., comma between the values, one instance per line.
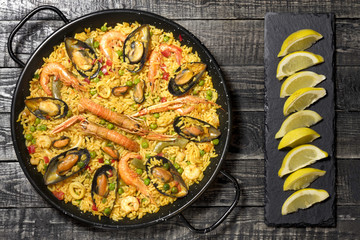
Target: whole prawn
x=108, y=40
x=60, y=72
x=130, y=177
x=99, y=131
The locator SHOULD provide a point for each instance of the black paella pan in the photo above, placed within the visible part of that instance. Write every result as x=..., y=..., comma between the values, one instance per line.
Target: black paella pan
x=96, y=20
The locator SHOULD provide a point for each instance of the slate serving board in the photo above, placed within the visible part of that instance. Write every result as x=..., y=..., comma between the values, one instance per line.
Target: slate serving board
x=277, y=27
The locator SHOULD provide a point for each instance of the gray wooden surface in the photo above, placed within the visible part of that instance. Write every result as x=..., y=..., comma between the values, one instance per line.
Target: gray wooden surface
x=233, y=32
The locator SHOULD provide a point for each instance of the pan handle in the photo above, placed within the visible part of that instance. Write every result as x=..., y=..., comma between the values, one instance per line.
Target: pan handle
x=222, y=218
x=23, y=21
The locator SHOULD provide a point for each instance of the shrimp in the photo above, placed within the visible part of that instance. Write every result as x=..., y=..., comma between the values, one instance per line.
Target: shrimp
x=192, y=172
x=124, y=122
x=107, y=42
x=130, y=177
x=58, y=70
x=172, y=105
x=99, y=131
x=155, y=60
x=129, y=204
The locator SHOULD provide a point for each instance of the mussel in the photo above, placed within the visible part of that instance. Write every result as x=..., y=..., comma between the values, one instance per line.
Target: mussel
x=165, y=178
x=121, y=90
x=47, y=108
x=61, y=142
x=83, y=57
x=195, y=129
x=136, y=48
x=66, y=164
x=139, y=90
x=103, y=188
x=186, y=76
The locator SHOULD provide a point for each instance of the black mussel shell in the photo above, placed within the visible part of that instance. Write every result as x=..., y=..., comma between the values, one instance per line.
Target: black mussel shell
x=186, y=76
x=136, y=48
x=139, y=92
x=47, y=108
x=100, y=187
x=197, y=128
x=83, y=57
x=54, y=175
x=121, y=90
x=170, y=176
x=61, y=142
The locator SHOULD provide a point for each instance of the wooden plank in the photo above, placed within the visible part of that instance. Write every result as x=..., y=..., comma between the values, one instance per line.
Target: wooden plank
x=245, y=83
x=232, y=42
x=16, y=190
x=242, y=223
x=196, y=9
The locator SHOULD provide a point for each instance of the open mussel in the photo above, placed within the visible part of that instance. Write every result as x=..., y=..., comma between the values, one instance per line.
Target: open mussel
x=103, y=189
x=139, y=92
x=136, y=48
x=83, y=57
x=66, y=164
x=47, y=108
x=165, y=178
x=195, y=129
x=186, y=76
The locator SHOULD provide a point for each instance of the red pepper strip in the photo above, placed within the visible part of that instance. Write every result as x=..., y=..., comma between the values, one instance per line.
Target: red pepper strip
x=104, y=70
x=94, y=207
x=46, y=159
x=59, y=195
x=31, y=149
x=87, y=80
x=166, y=53
x=180, y=38
x=101, y=160
x=113, y=160
x=110, y=173
x=160, y=154
x=100, y=60
x=108, y=62
x=166, y=76
x=88, y=168
x=163, y=99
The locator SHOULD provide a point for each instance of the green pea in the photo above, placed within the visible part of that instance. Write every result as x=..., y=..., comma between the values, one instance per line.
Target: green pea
x=129, y=83
x=37, y=76
x=166, y=38
x=121, y=72
x=215, y=141
x=42, y=127
x=112, y=186
x=104, y=28
x=93, y=92
x=37, y=121
x=137, y=80
x=101, y=73
x=144, y=144
x=107, y=161
x=172, y=158
x=166, y=166
x=143, y=200
x=146, y=181
x=166, y=186
x=69, y=113
x=147, y=155
x=32, y=129
x=153, y=126
x=93, y=154
x=102, y=122
x=120, y=190
x=208, y=97
x=156, y=115
x=29, y=137
x=180, y=170
x=109, y=144
x=33, y=141
x=107, y=211
x=209, y=92
x=78, y=202
x=195, y=92
x=174, y=190
x=119, y=53
x=201, y=83
x=139, y=171
x=80, y=164
x=96, y=80
x=103, y=200
x=188, y=162
x=176, y=165
x=96, y=44
x=202, y=152
x=134, y=73
x=110, y=126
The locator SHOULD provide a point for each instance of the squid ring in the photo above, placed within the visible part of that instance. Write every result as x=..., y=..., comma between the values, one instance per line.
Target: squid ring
x=77, y=190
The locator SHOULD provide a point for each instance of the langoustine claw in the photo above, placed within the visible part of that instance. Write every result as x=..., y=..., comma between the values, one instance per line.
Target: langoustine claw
x=60, y=72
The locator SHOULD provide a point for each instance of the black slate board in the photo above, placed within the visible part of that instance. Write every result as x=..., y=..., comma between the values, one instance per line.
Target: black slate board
x=277, y=27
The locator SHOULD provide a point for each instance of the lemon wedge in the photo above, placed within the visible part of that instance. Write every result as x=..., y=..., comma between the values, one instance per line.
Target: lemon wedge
x=298, y=41
x=302, y=178
x=295, y=62
x=298, y=137
x=302, y=98
x=303, y=118
x=302, y=199
x=300, y=157
x=300, y=80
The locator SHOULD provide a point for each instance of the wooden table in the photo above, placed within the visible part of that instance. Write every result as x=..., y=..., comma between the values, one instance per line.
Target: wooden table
x=234, y=32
